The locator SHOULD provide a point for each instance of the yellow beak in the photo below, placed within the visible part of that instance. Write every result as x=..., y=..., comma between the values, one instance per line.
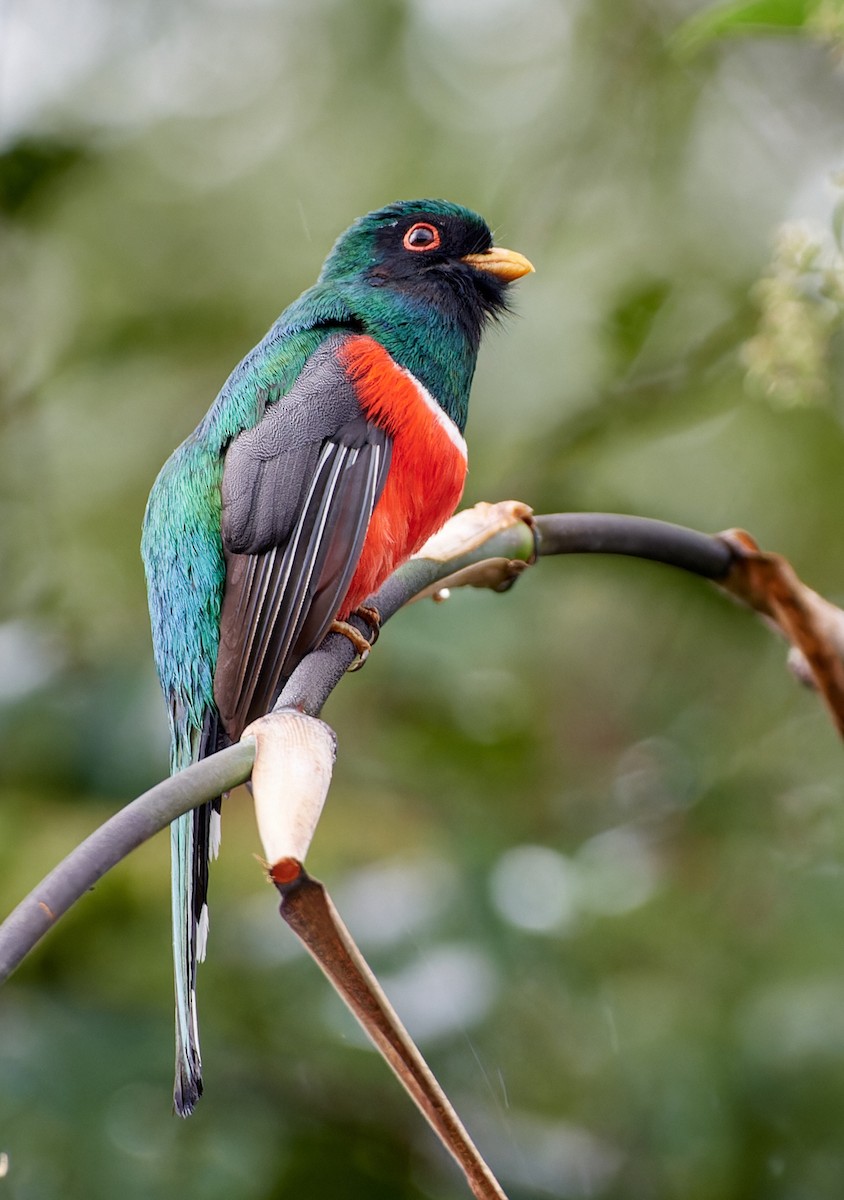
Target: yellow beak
x=506, y=264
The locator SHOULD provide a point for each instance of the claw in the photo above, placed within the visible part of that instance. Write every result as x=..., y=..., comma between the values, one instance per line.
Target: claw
x=360, y=643
x=369, y=614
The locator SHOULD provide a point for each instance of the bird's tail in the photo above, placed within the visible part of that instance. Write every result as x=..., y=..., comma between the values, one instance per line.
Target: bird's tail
x=194, y=841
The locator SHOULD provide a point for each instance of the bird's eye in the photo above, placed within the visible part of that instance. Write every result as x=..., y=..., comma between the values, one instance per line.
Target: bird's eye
x=421, y=236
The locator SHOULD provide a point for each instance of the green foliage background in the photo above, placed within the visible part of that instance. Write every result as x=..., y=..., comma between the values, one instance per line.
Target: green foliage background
x=590, y=833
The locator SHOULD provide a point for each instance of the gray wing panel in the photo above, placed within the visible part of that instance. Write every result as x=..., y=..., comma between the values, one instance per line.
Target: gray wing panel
x=268, y=468
x=298, y=493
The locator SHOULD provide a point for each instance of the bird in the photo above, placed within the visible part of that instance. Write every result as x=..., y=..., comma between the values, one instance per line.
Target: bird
x=334, y=450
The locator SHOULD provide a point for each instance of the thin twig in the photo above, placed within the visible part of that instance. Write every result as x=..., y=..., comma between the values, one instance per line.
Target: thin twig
x=308, y=910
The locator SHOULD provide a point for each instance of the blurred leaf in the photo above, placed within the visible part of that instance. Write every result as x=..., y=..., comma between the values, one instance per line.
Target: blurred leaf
x=631, y=321
x=31, y=167
x=742, y=18
x=838, y=225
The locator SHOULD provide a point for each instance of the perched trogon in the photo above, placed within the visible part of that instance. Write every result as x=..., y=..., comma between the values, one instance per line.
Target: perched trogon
x=333, y=451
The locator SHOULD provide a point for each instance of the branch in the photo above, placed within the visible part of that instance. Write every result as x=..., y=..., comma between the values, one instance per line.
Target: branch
x=290, y=754
x=308, y=910
x=814, y=628
x=486, y=546
x=112, y=842
x=637, y=537
x=489, y=546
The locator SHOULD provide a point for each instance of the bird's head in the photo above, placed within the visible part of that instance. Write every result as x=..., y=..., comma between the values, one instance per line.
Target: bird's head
x=432, y=252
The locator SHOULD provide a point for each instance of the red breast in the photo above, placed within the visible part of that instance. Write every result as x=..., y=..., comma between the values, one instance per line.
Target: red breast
x=427, y=469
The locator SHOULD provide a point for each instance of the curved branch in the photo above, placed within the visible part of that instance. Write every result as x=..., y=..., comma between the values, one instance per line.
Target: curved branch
x=512, y=547
x=499, y=534
x=488, y=546
x=638, y=537
x=503, y=533
x=110, y=844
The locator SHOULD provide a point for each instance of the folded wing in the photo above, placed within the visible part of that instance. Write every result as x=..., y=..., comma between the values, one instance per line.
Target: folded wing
x=298, y=493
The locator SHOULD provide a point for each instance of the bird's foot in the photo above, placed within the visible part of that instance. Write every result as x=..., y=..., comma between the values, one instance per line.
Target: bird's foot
x=372, y=617
x=361, y=644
